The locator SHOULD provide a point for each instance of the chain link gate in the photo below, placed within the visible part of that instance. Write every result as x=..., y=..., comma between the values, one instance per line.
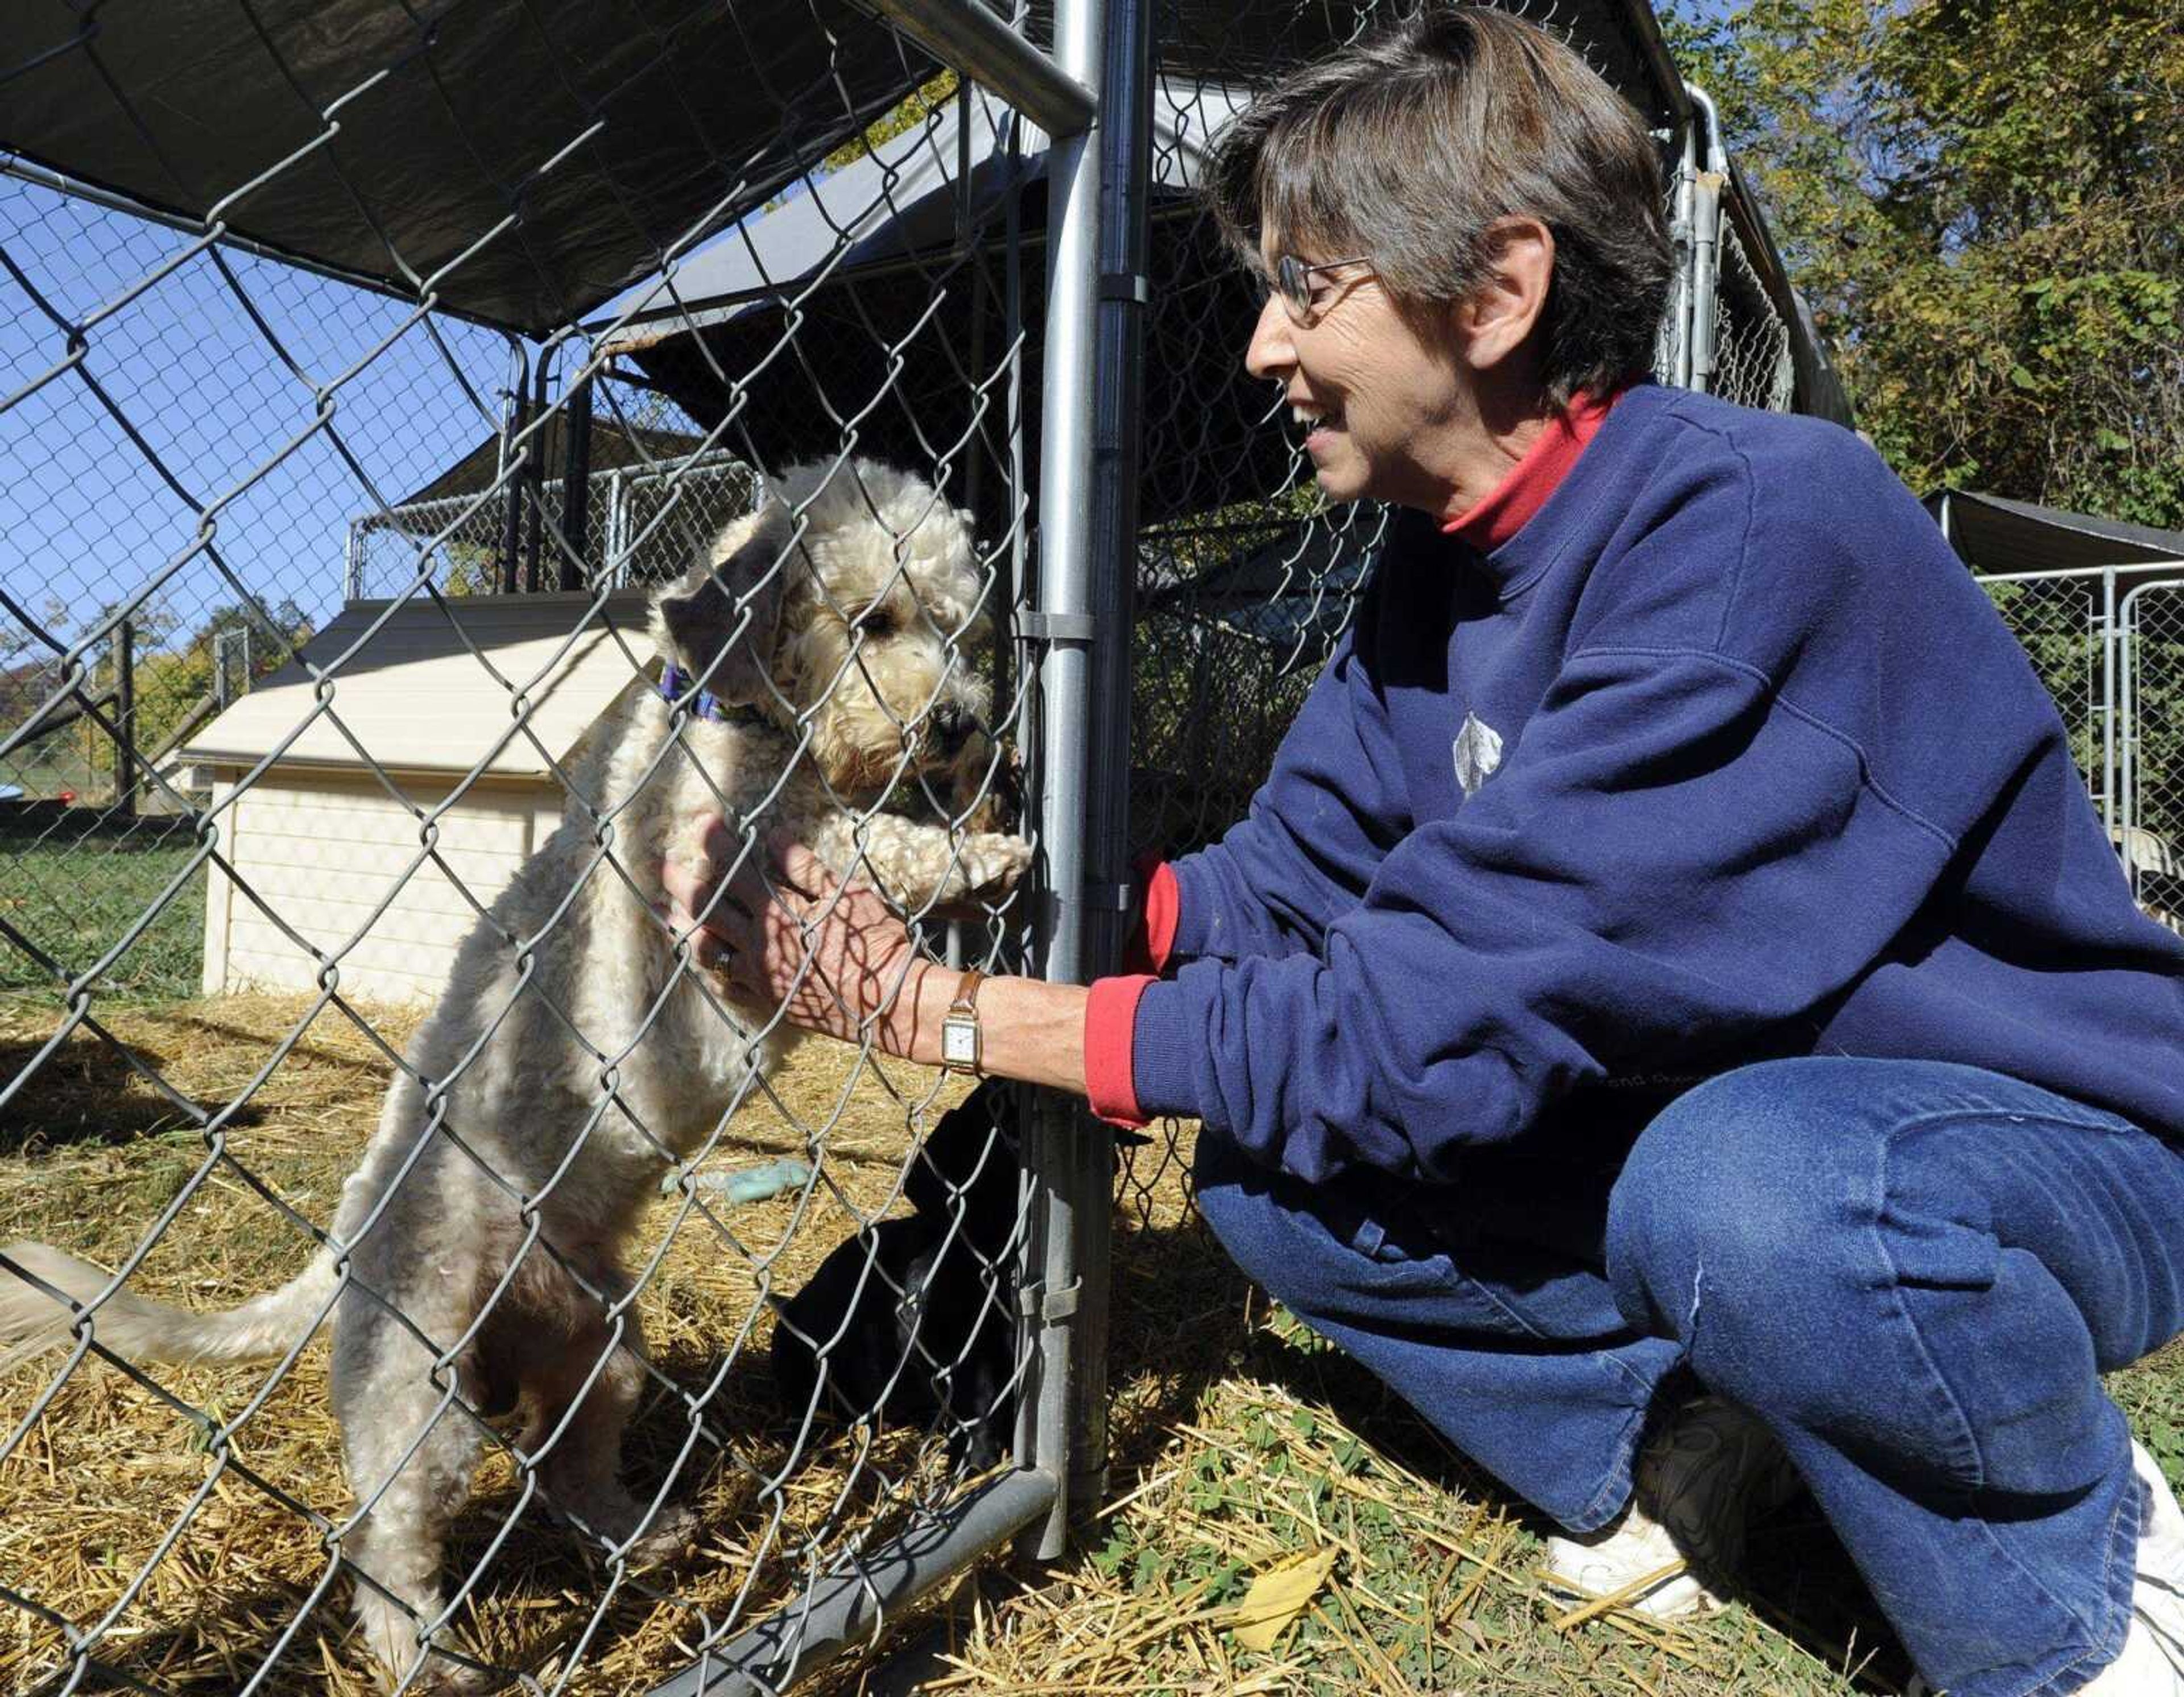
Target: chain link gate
x=2107, y=642
x=2150, y=747
x=293, y=452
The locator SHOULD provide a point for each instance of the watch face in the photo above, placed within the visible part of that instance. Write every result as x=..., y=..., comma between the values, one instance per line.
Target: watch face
x=959, y=1042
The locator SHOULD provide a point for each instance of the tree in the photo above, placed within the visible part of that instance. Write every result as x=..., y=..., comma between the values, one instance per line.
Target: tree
x=174, y=682
x=1981, y=200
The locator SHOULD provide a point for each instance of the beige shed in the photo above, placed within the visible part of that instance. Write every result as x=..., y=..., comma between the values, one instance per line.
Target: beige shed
x=322, y=841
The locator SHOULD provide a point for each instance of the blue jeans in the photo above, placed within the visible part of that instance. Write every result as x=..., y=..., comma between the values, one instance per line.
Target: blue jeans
x=1912, y=1271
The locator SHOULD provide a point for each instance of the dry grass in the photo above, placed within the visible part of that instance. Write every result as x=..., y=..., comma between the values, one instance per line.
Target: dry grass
x=1237, y=1437
x=90, y=1157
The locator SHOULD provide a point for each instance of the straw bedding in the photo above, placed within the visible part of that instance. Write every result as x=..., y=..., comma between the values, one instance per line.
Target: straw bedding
x=90, y=1155
x=1236, y=1439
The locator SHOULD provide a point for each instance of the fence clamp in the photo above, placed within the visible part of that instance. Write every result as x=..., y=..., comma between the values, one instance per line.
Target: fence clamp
x=1134, y=286
x=1072, y=627
x=1050, y=1308
x=1057, y=1306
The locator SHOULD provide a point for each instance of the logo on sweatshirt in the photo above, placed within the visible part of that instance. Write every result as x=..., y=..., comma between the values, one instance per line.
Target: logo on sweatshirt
x=1478, y=752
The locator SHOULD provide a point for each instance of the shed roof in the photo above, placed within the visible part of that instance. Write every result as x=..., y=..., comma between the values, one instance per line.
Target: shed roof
x=885, y=270
x=419, y=699
x=902, y=198
x=394, y=143
x=612, y=446
x=1993, y=534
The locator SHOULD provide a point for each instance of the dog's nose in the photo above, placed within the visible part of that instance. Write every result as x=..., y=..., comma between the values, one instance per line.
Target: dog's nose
x=951, y=726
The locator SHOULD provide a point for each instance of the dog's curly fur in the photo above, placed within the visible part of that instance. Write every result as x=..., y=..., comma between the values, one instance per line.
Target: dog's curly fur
x=567, y=1066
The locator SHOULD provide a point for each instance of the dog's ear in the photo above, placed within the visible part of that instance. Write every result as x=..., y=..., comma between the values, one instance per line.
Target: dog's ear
x=973, y=1150
x=720, y=620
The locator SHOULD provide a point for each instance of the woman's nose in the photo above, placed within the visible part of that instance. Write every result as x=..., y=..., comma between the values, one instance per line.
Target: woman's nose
x=1270, y=354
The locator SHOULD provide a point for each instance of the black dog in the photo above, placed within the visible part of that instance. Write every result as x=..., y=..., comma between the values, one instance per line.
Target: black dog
x=915, y=1319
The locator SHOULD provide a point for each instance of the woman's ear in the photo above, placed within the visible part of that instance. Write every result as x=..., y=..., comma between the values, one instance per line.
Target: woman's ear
x=1498, y=317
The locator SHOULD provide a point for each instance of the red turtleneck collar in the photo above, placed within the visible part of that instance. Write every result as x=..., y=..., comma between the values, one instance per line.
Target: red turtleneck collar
x=1532, y=478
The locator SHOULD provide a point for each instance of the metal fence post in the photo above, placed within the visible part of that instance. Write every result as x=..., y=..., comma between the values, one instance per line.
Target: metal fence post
x=1677, y=364
x=1125, y=136
x=124, y=717
x=1705, y=256
x=2110, y=658
x=616, y=558
x=1063, y=618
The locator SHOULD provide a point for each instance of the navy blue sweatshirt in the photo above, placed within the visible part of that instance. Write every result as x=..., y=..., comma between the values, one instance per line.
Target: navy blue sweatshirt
x=1722, y=756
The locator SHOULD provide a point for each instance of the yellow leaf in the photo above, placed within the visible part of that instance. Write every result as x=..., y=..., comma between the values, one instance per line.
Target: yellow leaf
x=1279, y=1595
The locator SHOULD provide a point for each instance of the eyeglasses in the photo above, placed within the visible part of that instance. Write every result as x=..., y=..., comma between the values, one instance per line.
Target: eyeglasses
x=1293, y=278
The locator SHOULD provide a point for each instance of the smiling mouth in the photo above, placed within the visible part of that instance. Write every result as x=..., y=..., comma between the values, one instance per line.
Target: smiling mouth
x=1309, y=419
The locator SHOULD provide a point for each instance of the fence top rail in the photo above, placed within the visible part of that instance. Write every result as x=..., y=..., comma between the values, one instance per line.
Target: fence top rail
x=2133, y=566
x=2137, y=589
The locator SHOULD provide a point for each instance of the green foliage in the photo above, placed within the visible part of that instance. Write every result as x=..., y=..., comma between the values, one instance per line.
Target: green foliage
x=172, y=683
x=913, y=110
x=1980, y=198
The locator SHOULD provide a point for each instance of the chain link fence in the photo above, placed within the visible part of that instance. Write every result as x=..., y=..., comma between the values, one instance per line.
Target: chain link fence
x=357, y=444
x=643, y=522
x=292, y=728
x=2108, y=643
x=1753, y=366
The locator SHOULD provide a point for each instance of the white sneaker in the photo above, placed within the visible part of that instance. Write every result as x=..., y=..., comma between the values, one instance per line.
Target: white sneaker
x=2151, y=1663
x=1696, y=1482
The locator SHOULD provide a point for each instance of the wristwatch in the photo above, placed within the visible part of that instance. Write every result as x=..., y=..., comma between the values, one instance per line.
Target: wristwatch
x=958, y=1026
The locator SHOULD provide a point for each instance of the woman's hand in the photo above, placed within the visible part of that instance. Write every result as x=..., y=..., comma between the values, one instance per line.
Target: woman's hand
x=835, y=956
x=832, y=955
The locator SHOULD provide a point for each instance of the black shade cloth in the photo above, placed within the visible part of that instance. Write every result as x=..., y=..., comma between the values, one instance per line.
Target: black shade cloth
x=392, y=138
x=597, y=131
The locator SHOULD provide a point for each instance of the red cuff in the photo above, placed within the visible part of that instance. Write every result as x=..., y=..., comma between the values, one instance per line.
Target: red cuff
x=1110, y=1015
x=1146, y=948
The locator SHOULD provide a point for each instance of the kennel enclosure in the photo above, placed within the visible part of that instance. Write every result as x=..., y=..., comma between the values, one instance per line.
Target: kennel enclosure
x=413, y=342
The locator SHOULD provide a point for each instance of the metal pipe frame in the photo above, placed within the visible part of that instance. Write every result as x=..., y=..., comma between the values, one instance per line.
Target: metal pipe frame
x=1707, y=189
x=1062, y=1212
x=1125, y=147
x=533, y=480
x=2055, y=574
x=851, y=1606
x=2110, y=655
x=2126, y=626
x=962, y=34
x=2117, y=618
x=1680, y=232
x=576, y=487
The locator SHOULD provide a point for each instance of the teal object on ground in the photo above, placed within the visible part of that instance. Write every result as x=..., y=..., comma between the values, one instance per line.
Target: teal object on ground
x=751, y=1184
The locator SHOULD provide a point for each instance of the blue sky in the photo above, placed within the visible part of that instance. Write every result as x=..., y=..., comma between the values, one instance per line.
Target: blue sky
x=87, y=517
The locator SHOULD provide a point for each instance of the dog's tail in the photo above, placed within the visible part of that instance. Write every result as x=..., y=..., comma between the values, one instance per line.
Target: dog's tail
x=42, y=1292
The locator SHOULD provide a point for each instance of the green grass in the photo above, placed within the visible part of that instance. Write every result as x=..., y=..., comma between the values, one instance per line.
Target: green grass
x=74, y=890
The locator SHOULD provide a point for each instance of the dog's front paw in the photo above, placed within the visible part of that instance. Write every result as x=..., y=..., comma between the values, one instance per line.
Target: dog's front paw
x=672, y=1535
x=991, y=862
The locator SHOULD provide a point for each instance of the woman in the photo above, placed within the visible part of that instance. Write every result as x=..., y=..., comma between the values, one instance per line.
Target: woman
x=1673, y=1009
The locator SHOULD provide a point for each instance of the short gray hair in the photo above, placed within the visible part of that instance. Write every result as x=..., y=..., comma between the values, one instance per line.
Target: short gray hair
x=1408, y=148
